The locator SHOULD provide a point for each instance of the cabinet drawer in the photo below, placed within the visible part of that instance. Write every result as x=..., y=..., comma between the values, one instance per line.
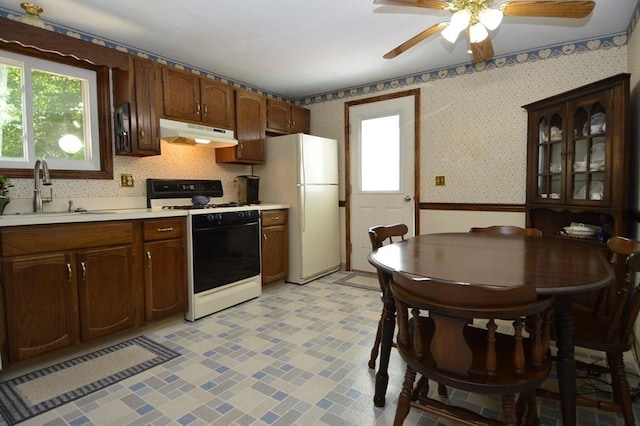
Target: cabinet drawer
x=274, y=217
x=33, y=239
x=163, y=229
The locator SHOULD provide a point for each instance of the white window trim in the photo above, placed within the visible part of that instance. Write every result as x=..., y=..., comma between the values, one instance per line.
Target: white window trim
x=28, y=63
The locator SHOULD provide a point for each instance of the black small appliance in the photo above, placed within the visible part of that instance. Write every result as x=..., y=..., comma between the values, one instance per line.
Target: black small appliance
x=248, y=189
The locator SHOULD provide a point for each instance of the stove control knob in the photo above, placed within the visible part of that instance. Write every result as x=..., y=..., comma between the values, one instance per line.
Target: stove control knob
x=241, y=214
x=214, y=217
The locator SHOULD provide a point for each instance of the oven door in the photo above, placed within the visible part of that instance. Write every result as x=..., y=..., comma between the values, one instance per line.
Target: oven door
x=225, y=254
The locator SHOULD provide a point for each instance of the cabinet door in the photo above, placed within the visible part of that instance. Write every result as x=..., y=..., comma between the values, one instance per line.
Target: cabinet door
x=278, y=116
x=275, y=248
x=590, y=151
x=251, y=127
x=40, y=296
x=218, y=105
x=165, y=278
x=148, y=133
x=300, y=120
x=550, y=157
x=180, y=94
x=105, y=274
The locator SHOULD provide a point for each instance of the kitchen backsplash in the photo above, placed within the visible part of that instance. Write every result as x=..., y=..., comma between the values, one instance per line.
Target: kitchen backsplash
x=176, y=162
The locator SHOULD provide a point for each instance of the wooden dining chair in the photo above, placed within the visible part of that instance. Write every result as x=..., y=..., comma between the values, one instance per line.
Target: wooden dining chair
x=380, y=236
x=446, y=348
x=508, y=230
x=601, y=328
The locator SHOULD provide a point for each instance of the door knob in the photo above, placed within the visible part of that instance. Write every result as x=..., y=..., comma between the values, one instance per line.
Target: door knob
x=407, y=198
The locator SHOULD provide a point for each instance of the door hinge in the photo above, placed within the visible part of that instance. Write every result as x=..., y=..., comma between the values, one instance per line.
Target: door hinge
x=348, y=128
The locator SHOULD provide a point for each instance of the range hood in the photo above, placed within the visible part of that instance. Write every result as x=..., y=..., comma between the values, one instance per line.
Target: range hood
x=195, y=134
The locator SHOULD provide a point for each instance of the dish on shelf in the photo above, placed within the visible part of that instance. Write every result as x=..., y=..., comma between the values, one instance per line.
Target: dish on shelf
x=579, y=230
x=597, y=124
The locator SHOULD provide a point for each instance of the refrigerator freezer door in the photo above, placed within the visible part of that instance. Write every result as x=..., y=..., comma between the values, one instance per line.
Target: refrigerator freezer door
x=318, y=162
x=314, y=250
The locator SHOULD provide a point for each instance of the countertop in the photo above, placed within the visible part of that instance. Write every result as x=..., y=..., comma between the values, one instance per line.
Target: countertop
x=115, y=214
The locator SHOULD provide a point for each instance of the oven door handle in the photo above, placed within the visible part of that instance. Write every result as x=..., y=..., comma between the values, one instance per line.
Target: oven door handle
x=223, y=227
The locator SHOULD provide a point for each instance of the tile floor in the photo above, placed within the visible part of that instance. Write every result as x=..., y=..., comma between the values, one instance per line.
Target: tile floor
x=295, y=356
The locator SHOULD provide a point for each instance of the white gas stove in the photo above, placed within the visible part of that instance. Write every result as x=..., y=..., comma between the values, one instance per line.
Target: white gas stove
x=223, y=244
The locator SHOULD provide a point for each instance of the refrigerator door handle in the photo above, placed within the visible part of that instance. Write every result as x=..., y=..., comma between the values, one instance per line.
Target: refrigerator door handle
x=302, y=201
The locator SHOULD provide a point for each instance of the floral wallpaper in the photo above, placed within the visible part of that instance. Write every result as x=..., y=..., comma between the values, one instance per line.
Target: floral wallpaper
x=474, y=127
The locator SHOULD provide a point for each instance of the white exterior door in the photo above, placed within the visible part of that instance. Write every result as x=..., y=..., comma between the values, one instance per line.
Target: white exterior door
x=382, y=171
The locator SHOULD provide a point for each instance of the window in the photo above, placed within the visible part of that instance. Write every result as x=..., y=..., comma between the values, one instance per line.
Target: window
x=380, y=152
x=48, y=110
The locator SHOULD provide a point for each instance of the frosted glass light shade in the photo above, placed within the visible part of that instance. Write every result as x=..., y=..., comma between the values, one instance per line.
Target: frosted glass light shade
x=460, y=19
x=450, y=33
x=477, y=33
x=490, y=18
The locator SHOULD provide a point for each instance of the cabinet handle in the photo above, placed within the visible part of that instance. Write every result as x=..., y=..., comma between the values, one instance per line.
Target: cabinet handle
x=84, y=271
x=204, y=109
x=264, y=236
x=148, y=259
x=69, y=271
x=142, y=134
x=198, y=107
x=168, y=229
x=275, y=217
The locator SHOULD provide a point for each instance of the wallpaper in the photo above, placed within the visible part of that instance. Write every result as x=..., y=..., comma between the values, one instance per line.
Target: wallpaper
x=474, y=127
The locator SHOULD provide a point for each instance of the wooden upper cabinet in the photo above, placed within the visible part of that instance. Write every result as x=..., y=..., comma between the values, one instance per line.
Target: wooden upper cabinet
x=180, y=94
x=278, y=116
x=251, y=125
x=189, y=97
x=284, y=118
x=300, y=120
x=218, y=104
x=135, y=95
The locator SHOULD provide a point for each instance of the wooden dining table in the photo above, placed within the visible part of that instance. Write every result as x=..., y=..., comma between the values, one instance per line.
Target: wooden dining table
x=556, y=266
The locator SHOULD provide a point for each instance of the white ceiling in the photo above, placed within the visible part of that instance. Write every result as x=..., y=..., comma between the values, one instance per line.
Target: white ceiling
x=299, y=48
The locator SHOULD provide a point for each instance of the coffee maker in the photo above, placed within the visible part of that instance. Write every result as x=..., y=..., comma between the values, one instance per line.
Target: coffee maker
x=248, y=189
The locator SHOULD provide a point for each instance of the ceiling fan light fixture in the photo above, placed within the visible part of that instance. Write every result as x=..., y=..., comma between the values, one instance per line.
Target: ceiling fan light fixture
x=450, y=33
x=477, y=33
x=490, y=18
x=460, y=20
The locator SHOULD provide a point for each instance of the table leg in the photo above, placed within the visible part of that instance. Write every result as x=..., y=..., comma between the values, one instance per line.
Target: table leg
x=386, y=343
x=565, y=361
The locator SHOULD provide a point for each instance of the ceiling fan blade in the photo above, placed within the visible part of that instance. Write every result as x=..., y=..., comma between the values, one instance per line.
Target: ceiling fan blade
x=430, y=4
x=551, y=9
x=415, y=40
x=482, y=51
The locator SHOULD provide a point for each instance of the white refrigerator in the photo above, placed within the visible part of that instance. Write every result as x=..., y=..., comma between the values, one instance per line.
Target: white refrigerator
x=302, y=171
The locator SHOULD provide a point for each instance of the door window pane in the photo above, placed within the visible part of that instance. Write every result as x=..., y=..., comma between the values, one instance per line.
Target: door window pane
x=380, y=154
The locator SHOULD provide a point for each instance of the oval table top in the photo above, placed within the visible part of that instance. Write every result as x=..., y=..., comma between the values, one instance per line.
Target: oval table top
x=553, y=265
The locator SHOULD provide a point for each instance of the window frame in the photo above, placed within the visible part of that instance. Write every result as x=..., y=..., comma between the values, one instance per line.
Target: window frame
x=103, y=83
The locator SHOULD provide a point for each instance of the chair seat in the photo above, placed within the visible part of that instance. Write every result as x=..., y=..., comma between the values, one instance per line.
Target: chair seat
x=502, y=383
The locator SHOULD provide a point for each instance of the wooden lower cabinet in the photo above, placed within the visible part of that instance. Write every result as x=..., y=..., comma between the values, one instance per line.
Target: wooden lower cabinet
x=41, y=308
x=64, y=284
x=275, y=245
x=165, y=273
x=105, y=274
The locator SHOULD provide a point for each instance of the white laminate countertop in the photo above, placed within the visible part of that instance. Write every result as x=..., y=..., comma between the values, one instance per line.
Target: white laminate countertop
x=115, y=214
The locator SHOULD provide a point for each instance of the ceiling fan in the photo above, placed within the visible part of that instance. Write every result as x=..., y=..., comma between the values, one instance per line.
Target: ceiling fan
x=477, y=18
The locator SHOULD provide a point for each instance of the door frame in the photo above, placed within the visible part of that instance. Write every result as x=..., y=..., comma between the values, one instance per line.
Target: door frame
x=347, y=166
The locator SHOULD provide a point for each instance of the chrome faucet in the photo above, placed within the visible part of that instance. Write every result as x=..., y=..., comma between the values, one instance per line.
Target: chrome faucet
x=46, y=180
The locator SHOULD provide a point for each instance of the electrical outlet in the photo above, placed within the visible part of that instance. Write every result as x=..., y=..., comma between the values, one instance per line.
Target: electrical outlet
x=439, y=180
x=126, y=181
